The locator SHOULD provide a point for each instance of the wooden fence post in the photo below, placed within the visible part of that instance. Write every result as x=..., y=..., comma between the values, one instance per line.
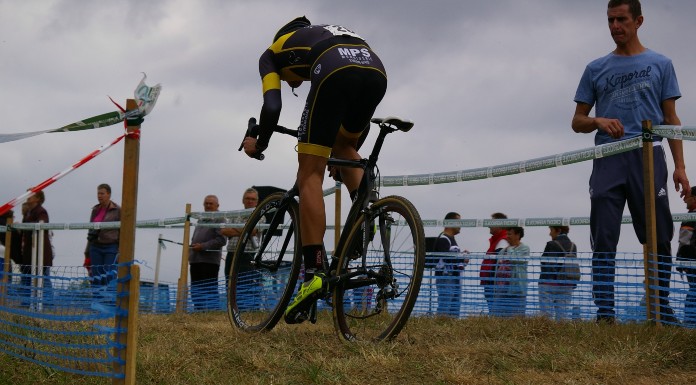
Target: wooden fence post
x=652, y=300
x=182, y=287
x=128, y=304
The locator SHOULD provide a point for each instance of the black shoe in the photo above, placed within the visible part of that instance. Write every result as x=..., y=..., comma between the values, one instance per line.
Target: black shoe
x=607, y=319
x=670, y=320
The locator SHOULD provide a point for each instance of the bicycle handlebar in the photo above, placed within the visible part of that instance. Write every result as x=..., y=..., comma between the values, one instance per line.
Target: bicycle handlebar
x=253, y=131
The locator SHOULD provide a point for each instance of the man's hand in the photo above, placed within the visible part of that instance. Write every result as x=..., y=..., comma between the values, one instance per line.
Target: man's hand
x=197, y=247
x=680, y=180
x=613, y=127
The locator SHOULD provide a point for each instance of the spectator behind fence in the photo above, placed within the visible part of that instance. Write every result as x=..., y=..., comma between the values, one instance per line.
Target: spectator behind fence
x=101, y=251
x=686, y=254
x=250, y=199
x=555, y=284
x=35, y=213
x=448, y=270
x=627, y=86
x=204, y=261
x=15, y=239
x=511, y=276
x=496, y=242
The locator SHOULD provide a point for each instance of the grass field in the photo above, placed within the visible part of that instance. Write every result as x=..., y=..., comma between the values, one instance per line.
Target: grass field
x=205, y=349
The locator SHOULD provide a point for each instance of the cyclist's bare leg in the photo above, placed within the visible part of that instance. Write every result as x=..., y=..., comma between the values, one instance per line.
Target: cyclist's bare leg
x=345, y=148
x=310, y=177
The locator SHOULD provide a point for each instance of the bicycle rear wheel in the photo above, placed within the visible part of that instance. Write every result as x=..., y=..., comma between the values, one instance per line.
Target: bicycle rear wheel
x=258, y=293
x=376, y=304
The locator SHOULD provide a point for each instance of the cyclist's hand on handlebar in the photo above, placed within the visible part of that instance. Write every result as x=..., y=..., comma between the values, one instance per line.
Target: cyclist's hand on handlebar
x=251, y=148
x=250, y=144
x=334, y=173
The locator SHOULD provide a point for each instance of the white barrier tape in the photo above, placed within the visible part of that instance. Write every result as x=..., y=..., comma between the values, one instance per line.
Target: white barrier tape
x=675, y=132
x=557, y=160
x=469, y=223
x=536, y=164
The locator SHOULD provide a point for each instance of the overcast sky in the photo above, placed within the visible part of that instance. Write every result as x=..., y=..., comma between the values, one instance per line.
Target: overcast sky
x=486, y=82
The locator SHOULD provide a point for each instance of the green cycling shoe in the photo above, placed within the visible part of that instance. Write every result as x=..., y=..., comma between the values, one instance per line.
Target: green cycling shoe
x=299, y=309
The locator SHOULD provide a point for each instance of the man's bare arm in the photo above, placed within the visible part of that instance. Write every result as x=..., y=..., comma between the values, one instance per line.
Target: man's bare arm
x=669, y=110
x=583, y=123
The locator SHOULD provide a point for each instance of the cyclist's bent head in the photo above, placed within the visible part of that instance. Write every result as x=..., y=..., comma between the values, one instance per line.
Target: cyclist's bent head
x=293, y=25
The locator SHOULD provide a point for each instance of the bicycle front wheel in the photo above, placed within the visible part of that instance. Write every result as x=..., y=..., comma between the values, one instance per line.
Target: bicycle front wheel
x=375, y=304
x=266, y=265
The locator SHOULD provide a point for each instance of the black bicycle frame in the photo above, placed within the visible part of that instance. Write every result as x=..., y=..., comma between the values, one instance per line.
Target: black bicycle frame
x=366, y=195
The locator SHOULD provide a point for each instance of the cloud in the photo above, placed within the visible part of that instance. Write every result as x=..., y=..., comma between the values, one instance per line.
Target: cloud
x=485, y=82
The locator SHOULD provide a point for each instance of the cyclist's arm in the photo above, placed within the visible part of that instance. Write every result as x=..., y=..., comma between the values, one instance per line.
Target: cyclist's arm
x=268, y=119
x=272, y=102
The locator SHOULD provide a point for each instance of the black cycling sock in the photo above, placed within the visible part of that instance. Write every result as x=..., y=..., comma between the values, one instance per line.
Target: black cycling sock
x=313, y=260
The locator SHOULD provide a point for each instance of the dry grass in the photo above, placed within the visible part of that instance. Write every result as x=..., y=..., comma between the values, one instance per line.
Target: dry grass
x=205, y=349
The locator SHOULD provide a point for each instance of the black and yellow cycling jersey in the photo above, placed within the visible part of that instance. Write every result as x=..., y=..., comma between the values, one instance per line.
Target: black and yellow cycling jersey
x=347, y=79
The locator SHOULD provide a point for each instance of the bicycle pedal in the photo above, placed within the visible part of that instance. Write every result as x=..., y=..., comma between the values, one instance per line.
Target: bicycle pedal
x=296, y=318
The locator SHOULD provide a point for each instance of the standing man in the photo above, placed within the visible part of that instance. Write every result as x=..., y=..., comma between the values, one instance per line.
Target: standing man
x=496, y=242
x=102, y=245
x=555, y=285
x=348, y=81
x=686, y=255
x=250, y=199
x=627, y=86
x=448, y=270
x=204, y=261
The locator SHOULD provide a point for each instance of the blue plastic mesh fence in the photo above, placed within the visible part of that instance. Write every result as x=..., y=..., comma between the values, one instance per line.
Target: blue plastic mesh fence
x=524, y=289
x=63, y=319
x=531, y=286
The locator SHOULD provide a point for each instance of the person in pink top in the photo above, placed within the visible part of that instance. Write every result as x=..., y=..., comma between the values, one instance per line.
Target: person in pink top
x=102, y=245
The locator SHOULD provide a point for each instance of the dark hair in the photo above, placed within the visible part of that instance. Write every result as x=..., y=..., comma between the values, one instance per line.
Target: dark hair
x=452, y=215
x=105, y=187
x=517, y=230
x=3, y=222
x=561, y=229
x=633, y=6
x=40, y=196
x=293, y=25
x=498, y=216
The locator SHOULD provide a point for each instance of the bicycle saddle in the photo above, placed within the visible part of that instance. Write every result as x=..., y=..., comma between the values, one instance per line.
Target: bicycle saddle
x=400, y=124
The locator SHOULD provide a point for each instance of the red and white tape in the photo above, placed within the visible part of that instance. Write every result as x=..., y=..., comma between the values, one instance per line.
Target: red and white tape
x=9, y=205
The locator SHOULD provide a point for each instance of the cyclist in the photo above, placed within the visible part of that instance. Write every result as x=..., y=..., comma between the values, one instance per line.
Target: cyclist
x=347, y=82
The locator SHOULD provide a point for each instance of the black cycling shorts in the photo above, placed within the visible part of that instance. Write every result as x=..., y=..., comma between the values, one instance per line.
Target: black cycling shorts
x=348, y=81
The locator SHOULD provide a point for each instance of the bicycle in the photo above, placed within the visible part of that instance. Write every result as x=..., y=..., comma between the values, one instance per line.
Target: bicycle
x=373, y=279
